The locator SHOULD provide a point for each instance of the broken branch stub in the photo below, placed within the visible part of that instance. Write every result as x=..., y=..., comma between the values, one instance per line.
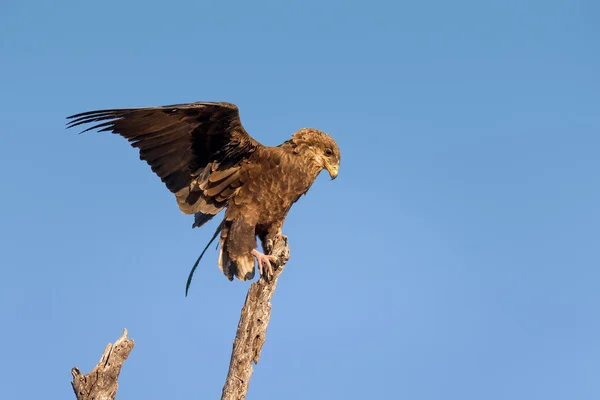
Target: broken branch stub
x=101, y=383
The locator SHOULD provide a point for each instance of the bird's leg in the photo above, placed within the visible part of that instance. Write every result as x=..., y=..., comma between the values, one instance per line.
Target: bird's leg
x=267, y=242
x=267, y=239
x=264, y=264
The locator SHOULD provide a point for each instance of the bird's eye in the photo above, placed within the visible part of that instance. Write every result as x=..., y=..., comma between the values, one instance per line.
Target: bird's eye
x=328, y=152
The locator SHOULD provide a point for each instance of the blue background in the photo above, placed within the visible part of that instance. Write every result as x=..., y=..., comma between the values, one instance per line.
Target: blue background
x=455, y=257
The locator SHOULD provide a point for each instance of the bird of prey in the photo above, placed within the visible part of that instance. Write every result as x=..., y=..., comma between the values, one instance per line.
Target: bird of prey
x=206, y=158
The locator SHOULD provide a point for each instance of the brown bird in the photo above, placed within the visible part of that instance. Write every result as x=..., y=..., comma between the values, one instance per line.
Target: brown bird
x=206, y=158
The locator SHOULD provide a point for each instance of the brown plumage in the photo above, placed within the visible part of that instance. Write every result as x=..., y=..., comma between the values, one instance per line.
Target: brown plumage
x=206, y=158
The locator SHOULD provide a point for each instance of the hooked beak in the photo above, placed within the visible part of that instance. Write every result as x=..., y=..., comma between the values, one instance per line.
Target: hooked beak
x=333, y=170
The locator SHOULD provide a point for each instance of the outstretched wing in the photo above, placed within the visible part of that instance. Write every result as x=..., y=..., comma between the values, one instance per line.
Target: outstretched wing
x=196, y=149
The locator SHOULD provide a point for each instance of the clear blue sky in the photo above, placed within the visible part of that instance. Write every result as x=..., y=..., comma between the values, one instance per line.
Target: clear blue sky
x=455, y=257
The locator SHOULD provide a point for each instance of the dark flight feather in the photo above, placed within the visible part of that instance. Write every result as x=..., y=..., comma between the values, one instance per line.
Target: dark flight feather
x=189, y=280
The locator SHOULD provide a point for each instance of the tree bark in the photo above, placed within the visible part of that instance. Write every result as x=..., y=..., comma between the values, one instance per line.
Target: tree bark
x=252, y=328
x=101, y=383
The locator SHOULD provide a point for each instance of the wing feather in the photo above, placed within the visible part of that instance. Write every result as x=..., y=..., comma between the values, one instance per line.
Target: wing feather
x=179, y=140
x=217, y=188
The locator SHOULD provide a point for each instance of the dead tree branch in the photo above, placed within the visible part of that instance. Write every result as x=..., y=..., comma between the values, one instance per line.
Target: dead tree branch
x=252, y=328
x=101, y=383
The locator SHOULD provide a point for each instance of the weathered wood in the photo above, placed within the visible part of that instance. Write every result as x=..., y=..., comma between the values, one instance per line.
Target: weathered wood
x=252, y=328
x=101, y=383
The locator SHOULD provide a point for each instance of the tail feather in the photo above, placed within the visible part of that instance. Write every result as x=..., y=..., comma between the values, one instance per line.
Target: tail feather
x=242, y=267
x=235, y=257
x=245, y=267
x=189, y=280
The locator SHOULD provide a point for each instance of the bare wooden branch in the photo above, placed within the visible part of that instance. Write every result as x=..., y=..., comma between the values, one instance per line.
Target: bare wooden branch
x=252, y=328
x=101, y=383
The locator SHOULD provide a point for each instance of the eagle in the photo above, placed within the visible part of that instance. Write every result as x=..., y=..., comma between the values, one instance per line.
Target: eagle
x=205, y=157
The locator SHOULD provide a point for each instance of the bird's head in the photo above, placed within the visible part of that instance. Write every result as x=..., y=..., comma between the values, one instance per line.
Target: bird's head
x=323, y=149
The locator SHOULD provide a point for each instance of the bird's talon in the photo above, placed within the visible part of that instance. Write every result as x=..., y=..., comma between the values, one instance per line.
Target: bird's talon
x=264, y=264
